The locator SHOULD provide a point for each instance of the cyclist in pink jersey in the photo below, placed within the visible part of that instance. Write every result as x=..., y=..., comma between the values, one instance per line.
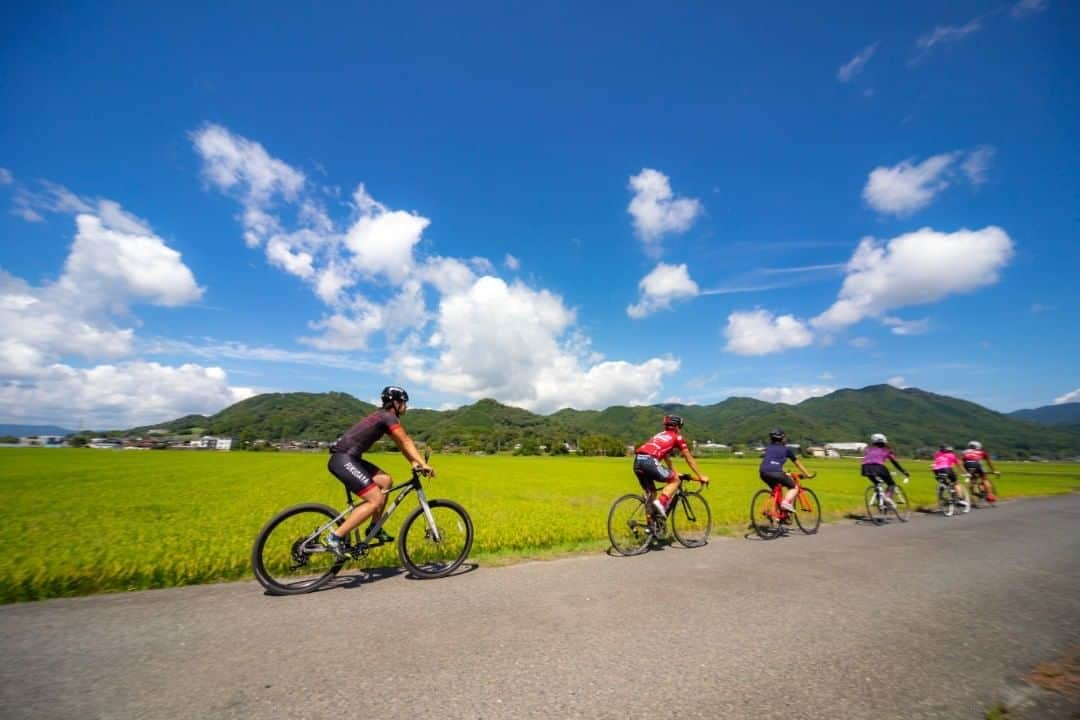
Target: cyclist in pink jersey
x=944, y=461
x=652, y=463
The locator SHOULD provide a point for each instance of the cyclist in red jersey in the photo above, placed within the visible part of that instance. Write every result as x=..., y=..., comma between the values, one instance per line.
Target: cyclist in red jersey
x=364, y=478
x=973, y=459
x=652, y=463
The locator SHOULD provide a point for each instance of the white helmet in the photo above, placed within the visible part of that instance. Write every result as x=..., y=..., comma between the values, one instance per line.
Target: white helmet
x=878, y=438
x=975, y=445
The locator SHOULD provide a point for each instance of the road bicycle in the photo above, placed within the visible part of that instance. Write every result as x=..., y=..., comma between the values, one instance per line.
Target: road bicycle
x=769, y=520
x=634, y=524
x=947, y=494
x=978, y=489
x=879, y=503
x=290, y=555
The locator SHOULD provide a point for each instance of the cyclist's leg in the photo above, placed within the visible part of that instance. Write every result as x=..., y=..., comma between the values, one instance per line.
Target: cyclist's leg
x=359, y=476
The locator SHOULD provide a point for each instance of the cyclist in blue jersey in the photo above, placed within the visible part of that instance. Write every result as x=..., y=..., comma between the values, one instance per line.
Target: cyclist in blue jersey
x=772, y=467
x=364, y=478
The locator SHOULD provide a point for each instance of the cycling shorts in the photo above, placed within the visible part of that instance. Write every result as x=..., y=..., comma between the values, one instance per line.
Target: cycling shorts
x=355, y=473
x=774, y=477
x=650, y=470
x=876, y=472
x=945, y=475
x=975, y=468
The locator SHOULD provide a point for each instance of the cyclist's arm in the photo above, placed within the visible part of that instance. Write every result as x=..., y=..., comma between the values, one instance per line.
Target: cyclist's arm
x=693, y=466
x=408, y=449
x=898, y=466
x=802, y=468
x=990, y=464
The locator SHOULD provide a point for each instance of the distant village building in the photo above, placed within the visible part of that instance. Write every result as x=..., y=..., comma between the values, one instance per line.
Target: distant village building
x=209, y=442
x=105, y=443
x=846, y=448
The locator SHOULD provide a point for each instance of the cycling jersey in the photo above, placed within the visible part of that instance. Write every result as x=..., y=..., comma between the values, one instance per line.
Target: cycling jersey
x=776, y=454
x=873, y=462
x=975, y=455
x=944, y=461
x=662, y=444
x=361, y=436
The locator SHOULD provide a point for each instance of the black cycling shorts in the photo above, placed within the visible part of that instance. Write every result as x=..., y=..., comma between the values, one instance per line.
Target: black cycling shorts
x=772, y=477
x=355, y=473
x=876, y=472
x=975, y=468
x=945, y=475
x=649, y=471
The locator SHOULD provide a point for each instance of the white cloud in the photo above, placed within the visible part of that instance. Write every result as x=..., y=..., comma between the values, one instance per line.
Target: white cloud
x=517, y=344
x=118, y=396
x=1068, y=397
x=793, y=395
x=906, y=187
x=944, y=34
x=1023, y=8
x=236, y=164
x=382, y=241
x=758, y=332
x=916, y=268
x=906, y=327
x=897, y=381
x=665, y=284
x=512, y=263
x=849, y=70
x=656, y=211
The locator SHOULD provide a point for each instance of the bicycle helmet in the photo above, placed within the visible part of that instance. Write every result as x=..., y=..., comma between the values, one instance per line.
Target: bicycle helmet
x=776, y=435
x=392, y=394
x=975, y=445
x=672, y=421
x=878, y=439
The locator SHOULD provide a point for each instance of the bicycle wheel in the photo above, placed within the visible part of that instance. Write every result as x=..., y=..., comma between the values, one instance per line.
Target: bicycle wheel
x=946, y=501
x=874, y=505
x=763, y=516
x=289, y=556
x=628, y=525
x=691, y=520
x=435, y=547
x=900, y=505
x=808, y=517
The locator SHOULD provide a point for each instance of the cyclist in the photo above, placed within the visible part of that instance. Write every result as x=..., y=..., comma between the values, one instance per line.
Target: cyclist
x=364, y=478
x=652, y=463
x=972, y=463
x=873, y=464
x=772, y=467
x=944, y=460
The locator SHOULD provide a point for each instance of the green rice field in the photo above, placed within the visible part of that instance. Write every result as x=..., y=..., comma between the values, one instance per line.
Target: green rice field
x=80, y=521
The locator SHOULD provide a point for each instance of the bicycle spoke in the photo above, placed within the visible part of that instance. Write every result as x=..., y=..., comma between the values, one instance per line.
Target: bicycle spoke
x=628, y=525
x=290, y=555
x=691, y=519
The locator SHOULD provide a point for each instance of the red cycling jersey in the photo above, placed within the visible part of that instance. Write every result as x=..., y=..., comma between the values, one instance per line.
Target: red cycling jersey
x=661, y=444
x=975, y=455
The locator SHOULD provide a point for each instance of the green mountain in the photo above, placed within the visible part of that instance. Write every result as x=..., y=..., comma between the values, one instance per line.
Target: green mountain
x=914, y=420
x=1063, y=415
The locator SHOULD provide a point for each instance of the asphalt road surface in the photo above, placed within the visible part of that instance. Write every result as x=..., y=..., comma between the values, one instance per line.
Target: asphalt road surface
x=936, y=618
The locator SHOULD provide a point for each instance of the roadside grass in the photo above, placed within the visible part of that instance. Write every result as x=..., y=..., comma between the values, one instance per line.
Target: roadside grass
x=76, y=522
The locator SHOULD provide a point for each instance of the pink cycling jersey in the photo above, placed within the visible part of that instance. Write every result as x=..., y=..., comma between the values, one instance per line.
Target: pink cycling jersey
x=944, y=460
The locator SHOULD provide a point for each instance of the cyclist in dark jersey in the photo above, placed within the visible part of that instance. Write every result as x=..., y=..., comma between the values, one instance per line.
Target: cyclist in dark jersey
x=652, y=463
x=364, y=478
x=772, y=467
x=873, y=463
x=973, y=457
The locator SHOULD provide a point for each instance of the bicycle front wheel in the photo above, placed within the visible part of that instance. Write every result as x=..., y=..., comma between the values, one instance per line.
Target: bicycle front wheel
x=808, y=516
x=764, y=518
x=691, y=520
x=900, y=505
x=436, y=546
x=628, y=525
x=289, y=556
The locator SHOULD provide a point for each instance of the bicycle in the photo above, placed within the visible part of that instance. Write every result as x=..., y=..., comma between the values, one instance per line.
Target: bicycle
x=290, y=555
x=634, y=525
x=769, y=520
x=948, y=497
x=879, y=504
x=978, y=489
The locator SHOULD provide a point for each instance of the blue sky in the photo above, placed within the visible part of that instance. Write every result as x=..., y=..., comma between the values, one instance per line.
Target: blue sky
x=557, y=205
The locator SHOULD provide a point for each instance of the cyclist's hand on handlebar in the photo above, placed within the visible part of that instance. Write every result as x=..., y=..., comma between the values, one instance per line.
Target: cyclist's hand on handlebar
x=704, y=479
x=424, y=469
x=907, y=479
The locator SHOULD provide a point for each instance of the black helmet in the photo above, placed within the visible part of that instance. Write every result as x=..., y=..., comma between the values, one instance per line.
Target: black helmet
x=776, y=435
x=672, y=421
x=392, y=393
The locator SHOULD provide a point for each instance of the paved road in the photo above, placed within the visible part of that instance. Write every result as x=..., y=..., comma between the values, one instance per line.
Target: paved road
x=857, y=622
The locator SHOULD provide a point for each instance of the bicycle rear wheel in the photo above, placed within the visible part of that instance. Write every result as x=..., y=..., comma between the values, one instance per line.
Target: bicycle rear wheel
x=431, y=548
x=808, y=516
x=946, y=501
x=764, y=517
x=628, y=525
x=875, y=510
x=901, y=504
x=289, y=556
x=691, y=520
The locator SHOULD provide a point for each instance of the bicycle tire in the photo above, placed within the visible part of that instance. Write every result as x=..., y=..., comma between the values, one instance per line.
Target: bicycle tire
x=763, y=517
x=283, y=551
x=901, y=504
x=691, y=519
x=808, y=517
x=628, y=525
x=946, y=501
x=874, y=511
x=428, y=553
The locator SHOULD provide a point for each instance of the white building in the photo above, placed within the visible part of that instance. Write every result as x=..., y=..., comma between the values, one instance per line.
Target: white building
x=846, y=448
